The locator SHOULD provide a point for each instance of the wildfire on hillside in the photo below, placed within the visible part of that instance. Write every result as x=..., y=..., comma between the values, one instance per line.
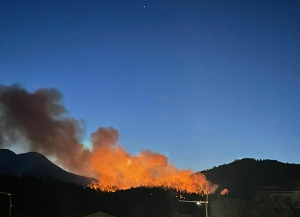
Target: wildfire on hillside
x=114, y=166
x=40, y=122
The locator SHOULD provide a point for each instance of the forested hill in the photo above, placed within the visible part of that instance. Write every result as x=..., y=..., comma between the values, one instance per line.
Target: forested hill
x=37, y=165
x=244, y=177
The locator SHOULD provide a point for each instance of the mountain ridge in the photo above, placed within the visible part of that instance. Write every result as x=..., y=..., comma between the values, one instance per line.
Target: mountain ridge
x=246, y=176
x=37, y=165
x=241, y=177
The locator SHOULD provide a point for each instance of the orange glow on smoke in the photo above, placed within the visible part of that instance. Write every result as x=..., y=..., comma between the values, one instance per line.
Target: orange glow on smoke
x=115, y=168
x=41, y=122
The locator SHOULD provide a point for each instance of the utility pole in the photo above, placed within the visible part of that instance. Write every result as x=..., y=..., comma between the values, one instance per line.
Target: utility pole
x=206, y=205
x=199, y=202
x=9, y=194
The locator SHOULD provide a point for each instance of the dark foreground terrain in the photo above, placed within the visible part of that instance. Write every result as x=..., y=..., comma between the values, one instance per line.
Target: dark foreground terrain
x=250, y=183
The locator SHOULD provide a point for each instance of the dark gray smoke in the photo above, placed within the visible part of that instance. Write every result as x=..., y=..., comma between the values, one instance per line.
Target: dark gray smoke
x=39, y=121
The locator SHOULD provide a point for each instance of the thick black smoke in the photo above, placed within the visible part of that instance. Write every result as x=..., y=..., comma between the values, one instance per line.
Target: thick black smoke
x=39, y=121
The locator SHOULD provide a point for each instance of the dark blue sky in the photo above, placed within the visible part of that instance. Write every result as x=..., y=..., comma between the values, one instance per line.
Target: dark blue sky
x=203, y=82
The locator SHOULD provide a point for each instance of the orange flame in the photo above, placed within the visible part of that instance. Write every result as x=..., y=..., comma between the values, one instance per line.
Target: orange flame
x=224, y=191
x=115, y=168
x=41, y=122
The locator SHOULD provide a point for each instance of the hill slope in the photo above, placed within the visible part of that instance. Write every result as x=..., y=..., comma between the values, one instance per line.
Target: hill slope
x=37, y=165
x=244, y=177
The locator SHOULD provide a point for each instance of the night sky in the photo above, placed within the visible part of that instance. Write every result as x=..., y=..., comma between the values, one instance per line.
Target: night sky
x=203, y=82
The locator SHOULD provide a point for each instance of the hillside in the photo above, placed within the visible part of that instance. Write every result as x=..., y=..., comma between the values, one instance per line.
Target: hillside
x=244, y=177
x=49, y=197
x=37, y=165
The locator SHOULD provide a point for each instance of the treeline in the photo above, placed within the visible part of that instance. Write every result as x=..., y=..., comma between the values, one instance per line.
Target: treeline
x=47, y=198
x=261, y=204
x=244, y=177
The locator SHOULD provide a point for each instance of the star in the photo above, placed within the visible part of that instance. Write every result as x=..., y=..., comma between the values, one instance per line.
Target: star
x=144, y=6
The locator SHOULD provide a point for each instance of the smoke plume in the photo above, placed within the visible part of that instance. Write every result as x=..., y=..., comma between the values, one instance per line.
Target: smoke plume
x=38, y=121
x=41, y=121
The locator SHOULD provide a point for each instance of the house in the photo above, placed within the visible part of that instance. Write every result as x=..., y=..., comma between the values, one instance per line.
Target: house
x=288, y=191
